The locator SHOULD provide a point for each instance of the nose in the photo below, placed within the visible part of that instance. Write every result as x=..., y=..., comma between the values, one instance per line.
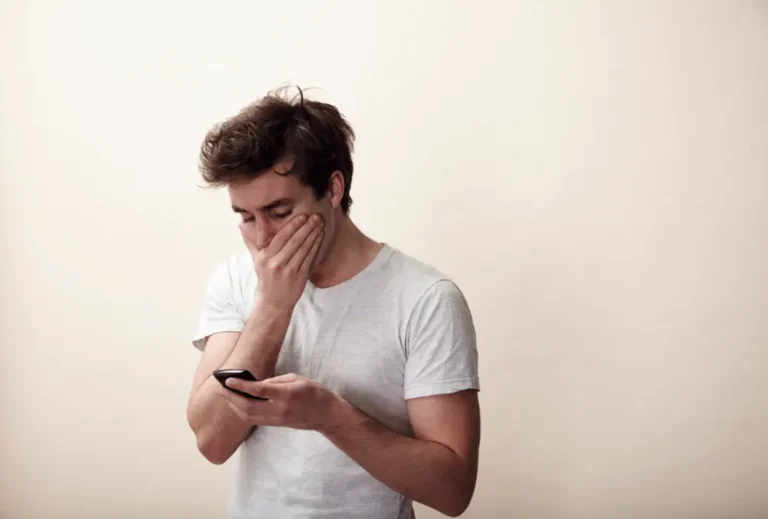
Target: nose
x=265, y=231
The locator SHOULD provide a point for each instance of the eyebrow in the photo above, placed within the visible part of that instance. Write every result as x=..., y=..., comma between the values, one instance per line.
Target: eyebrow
x=272, y=205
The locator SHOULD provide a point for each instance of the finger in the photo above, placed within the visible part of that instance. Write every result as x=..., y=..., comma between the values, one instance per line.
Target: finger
x=246, y=386
x=282, y=379
x=297, y=260
x=248, y=237
x=259, y=389
x=286, y=231
x=294, y=242
x=242, y=386
x=312, y=254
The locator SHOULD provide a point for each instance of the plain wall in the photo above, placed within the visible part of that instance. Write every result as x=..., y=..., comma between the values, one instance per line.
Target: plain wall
x=594, y=175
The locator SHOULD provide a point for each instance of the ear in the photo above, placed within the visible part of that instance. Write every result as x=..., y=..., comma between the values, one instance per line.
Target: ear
x=336, y=189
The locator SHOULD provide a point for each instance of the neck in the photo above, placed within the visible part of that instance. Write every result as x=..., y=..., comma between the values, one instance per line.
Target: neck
x=349, y=253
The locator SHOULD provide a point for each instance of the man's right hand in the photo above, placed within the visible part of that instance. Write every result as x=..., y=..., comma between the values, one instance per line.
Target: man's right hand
x=283, y=266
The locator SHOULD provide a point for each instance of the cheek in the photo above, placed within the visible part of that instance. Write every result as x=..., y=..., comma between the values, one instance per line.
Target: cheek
x=328, y=224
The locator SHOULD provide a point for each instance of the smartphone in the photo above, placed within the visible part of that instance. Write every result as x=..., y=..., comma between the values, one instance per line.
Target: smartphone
x=223, y=374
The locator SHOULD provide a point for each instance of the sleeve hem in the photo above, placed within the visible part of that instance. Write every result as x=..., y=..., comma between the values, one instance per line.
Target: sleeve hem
x=221, y=326
x=442, y=388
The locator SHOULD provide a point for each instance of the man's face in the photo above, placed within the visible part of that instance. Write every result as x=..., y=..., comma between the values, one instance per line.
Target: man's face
x=270, y=200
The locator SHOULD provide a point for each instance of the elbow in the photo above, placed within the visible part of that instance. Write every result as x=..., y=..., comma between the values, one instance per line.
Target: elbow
x=208, y=442
x=458, y=504
x=455, y=509
x=212, y=450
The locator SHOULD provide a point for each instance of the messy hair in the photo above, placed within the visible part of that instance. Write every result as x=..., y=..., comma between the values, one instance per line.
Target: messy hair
x=314, y=136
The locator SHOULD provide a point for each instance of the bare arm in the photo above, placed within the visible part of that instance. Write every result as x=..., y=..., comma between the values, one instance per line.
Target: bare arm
x=282, y=270
x=218, y=429
x=438, y=467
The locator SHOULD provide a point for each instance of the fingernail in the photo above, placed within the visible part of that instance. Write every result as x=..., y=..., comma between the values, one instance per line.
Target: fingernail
x=303, y=218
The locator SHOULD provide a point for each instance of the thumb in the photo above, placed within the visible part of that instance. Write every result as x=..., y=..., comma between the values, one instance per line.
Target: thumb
x=255, y=388
x=283, y=379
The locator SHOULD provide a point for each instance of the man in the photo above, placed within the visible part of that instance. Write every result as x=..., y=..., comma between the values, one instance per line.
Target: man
x=366, y=357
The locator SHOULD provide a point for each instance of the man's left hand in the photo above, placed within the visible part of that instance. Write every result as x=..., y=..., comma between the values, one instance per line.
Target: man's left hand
x=292, y=401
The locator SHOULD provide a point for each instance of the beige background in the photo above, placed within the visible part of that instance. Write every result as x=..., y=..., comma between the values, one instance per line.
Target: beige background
x=594, y=176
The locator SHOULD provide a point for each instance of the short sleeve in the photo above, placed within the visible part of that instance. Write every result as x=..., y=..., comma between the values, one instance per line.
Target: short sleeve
x=219, y=311
x=441, y=346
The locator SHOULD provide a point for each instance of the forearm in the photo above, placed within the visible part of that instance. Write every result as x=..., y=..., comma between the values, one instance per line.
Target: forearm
x=219, y=430
x=259, y=344
x=424, y=471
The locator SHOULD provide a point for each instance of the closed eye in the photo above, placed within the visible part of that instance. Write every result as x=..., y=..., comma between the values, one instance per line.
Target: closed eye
x=279, y=215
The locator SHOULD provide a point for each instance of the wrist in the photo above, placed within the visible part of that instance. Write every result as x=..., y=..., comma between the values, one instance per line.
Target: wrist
x=273, y=309
x=339, y=414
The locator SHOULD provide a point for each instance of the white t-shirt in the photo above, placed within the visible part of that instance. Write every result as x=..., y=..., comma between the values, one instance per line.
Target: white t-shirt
x=397, y=330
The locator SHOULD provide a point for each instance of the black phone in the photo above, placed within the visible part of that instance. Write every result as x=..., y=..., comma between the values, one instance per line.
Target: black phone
x=223, y=374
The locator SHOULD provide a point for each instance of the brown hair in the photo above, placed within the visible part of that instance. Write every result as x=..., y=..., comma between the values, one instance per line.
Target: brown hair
x=314, y=135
